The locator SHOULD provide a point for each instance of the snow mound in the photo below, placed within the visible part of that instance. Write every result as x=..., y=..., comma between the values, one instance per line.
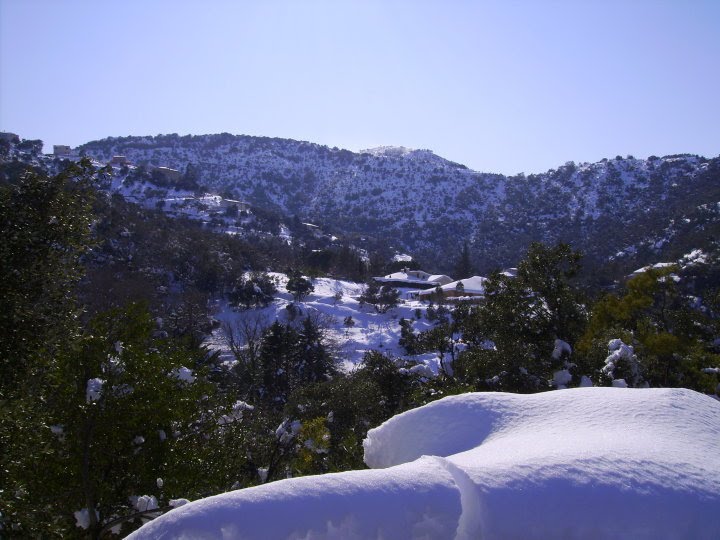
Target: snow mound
x=417, y=500
x=581, y=463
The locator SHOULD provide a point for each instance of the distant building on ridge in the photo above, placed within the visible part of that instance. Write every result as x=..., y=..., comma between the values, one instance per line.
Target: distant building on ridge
x=61, y=150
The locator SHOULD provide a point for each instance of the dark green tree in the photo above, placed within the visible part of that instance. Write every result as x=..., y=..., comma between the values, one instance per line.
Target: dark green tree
x=124, y=401
x=289, y=358
x=463, y=266
x=512, y=335
x=45, y=226
x=672, y=340
x=256, y=290
x=299, y=286
x=548, y=273
x=381, y=297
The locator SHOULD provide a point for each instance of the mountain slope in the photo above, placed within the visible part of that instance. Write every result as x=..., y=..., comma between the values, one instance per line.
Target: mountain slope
x=429, y=206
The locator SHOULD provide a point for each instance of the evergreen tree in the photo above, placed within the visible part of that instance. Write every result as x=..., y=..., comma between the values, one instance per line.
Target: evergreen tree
x=45, y=229
x=522, y=317
x=256, y=290
x=124, y=402
x=381, y=297
x=463, y=266
x=548, y=274
x=314, y=360
x=290, y=358
x=299, y=286
x=672, y=340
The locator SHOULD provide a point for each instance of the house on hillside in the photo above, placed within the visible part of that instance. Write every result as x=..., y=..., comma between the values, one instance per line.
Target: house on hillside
x=241, y=206
x=470, y=289
x=170, y=175
x=61, y=150
x=416, y=279
x=119, y=160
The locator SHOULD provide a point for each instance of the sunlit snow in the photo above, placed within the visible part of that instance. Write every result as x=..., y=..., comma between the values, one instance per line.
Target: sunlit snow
x=582, y=463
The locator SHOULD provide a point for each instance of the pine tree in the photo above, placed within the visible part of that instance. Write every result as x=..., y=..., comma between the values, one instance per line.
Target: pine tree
x=673, y=341
x=463, y=266
x=299, y=286
x=381, y=297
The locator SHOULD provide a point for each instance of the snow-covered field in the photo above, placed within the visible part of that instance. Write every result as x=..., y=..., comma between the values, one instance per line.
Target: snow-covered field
x=584, y=463
x=332, y=302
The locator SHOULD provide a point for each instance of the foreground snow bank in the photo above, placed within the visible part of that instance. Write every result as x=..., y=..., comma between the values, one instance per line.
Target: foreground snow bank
x=582, y=463
x=415, y=500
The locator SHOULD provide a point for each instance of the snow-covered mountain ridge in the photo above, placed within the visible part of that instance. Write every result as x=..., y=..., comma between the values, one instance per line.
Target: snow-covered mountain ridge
x=628, y=210
x=426, y=204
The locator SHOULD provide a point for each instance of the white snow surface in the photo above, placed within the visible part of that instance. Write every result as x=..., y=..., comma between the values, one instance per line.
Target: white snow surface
x=585, y=463
x=656, y=266
x=93, y=389
x=144, y=503
x=370, y=330
x=183, y=374
x=82, y=518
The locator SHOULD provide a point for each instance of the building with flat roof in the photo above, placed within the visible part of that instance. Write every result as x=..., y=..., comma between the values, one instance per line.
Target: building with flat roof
x=61, y=150
x=171, y=175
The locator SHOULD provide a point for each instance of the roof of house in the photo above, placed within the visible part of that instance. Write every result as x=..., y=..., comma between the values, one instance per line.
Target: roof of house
x=414, y=276
x=474, y=285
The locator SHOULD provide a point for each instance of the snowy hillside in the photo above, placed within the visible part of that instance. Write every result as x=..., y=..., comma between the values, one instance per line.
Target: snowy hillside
x=427, y=205
x=331, y=303
x=584, y=463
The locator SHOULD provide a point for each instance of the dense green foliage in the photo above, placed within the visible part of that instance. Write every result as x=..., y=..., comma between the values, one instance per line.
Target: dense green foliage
x=45, y=229
x=673, y=333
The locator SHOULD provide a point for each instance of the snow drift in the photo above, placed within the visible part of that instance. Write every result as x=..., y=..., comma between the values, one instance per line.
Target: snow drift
x=584, y=463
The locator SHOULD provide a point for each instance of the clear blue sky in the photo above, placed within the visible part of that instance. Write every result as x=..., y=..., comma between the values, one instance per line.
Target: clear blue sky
x=501, y=86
